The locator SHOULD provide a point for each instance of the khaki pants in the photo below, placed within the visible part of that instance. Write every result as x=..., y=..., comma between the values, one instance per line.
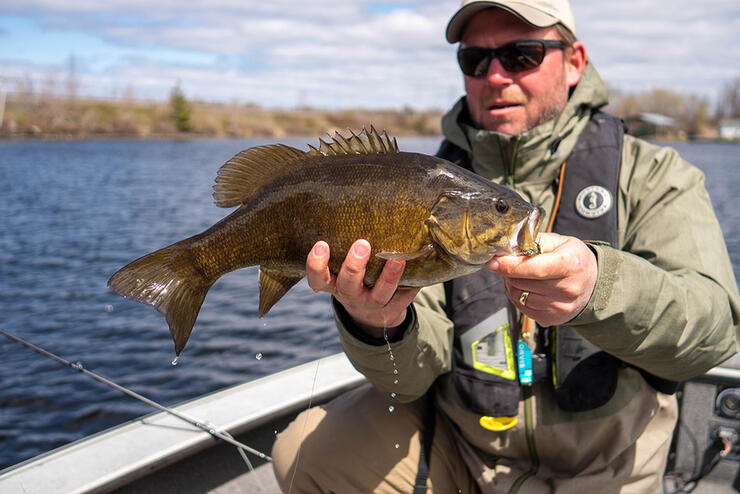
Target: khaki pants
x=355, y=444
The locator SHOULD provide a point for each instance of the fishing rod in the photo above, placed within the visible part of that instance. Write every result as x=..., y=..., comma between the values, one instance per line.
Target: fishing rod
x=204, y=426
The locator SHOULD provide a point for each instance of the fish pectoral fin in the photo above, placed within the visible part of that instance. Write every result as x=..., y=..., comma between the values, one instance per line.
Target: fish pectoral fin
x=405, y=256
x=273, y=285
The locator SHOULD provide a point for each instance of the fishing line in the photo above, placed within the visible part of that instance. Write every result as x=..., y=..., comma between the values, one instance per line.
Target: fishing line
x=305, y=421
x=204, y=426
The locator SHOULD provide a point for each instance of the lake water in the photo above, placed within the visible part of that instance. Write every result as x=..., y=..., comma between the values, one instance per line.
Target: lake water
x=72, y=213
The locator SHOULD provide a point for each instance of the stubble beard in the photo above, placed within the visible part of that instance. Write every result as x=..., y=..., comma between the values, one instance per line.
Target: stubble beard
x=550, y=112
x=556, y=99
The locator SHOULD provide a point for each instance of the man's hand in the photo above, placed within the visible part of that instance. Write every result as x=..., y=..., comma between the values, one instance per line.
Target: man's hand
x=372, y=309
x=560, y=281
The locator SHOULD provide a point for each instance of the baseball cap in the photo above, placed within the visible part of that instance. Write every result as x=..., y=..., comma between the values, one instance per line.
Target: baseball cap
x=538, y=13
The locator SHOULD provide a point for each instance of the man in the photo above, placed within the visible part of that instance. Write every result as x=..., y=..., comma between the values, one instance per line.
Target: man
x=652, y=287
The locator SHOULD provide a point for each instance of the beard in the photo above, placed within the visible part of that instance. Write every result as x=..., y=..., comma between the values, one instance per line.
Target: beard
x=549, y=112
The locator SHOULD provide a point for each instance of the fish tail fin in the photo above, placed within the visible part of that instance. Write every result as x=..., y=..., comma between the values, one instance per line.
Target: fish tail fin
x=169, y=281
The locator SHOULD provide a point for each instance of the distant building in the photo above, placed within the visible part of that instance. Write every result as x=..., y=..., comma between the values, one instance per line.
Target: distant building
x=651, y=124
x=729, y=128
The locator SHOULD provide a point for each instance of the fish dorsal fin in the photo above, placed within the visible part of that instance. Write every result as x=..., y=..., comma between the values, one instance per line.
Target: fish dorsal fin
x=366, y=142
x=242, y=175
x=246, y=172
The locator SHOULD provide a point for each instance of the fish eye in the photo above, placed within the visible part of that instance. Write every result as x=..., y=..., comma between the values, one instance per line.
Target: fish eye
x=502, y=206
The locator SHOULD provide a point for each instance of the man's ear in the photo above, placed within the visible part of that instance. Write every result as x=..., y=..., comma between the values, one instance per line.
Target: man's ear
x=575, y=62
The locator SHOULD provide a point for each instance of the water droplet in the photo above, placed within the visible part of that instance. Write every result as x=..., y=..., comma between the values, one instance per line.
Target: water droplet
x=395, y=371
x=109, y=308
x=258, y=356
x=392, y=357
x=174, y=360
x=393, y=395
x=275, y=432
x=395, y=381
x=398, y=445
x=391, y=408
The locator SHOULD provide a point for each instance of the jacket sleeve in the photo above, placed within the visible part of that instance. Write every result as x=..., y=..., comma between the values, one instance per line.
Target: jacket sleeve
x=422, y=354
x=667, y=302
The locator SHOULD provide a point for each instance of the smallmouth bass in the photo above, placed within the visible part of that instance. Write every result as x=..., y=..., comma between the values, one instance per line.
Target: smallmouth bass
x=443, y=220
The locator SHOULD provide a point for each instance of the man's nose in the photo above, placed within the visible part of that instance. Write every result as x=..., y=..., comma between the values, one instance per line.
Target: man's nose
x=497, y=74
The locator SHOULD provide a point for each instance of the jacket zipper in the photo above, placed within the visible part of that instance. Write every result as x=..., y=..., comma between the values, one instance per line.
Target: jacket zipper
x=528, y=406
x=529, y=432
x=511, y=165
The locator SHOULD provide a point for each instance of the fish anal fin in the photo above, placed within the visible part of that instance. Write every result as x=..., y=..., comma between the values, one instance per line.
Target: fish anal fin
x=405, y=256
x=242, y=175
x=273, y=285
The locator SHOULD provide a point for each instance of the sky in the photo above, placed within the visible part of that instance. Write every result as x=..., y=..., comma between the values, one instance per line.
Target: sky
x=335, y=54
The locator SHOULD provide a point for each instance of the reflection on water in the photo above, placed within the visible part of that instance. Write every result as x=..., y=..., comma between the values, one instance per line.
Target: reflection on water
x=72, y=213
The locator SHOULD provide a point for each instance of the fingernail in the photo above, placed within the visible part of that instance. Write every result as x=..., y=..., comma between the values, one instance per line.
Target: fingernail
x=320, y=250
x=360, y=250
x=396, y=267
x=493, y=265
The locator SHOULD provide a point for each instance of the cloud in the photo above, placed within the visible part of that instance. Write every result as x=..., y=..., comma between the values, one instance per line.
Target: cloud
x=339, y=54
x=680, y=44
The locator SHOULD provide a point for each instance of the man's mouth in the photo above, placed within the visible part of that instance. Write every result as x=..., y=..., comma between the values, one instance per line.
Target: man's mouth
x=502, y=105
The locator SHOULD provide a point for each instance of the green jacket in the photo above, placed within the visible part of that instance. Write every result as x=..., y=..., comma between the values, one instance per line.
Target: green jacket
x=665, y=301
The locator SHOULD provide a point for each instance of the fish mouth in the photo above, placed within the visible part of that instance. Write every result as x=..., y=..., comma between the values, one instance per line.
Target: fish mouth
x=525, y=240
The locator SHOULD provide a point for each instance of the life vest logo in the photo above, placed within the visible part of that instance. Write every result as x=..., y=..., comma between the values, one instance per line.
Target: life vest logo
x=593, y=201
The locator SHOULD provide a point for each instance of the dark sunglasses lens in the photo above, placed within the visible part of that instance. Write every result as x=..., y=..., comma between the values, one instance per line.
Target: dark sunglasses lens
x=474, y=62
x=521, y=56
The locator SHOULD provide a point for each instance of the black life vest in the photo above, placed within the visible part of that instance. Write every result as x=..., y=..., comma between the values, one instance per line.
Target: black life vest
x=485, y=354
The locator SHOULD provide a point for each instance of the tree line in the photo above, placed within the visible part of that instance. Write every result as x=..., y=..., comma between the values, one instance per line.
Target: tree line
x=28, y=112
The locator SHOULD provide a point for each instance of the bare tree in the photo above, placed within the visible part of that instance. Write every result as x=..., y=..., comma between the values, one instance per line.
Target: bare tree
x=691, y=112
x=72, y=84
x=728, y=105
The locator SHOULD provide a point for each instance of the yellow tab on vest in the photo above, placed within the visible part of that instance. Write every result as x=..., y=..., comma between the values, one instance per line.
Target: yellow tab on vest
x=497, y=423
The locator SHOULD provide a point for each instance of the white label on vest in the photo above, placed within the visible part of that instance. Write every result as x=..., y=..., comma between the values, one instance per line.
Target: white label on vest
x=593, y=201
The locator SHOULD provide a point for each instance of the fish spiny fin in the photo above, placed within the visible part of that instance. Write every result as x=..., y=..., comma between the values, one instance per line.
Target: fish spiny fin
x=169, y=281
x=366, y=142
x=242, y=175
x=273, y=285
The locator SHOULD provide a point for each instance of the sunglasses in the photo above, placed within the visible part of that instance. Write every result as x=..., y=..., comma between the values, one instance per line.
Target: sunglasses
x=517, y=56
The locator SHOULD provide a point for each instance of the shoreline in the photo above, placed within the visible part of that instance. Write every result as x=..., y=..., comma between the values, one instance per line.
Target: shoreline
x=199, y=136
x=184, y=136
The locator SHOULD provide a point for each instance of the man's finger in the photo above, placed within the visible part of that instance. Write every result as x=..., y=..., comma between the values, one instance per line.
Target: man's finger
x=546, y=266
x=317, y=268
x=402, y=299
x=387, y=282
x=350, y=280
